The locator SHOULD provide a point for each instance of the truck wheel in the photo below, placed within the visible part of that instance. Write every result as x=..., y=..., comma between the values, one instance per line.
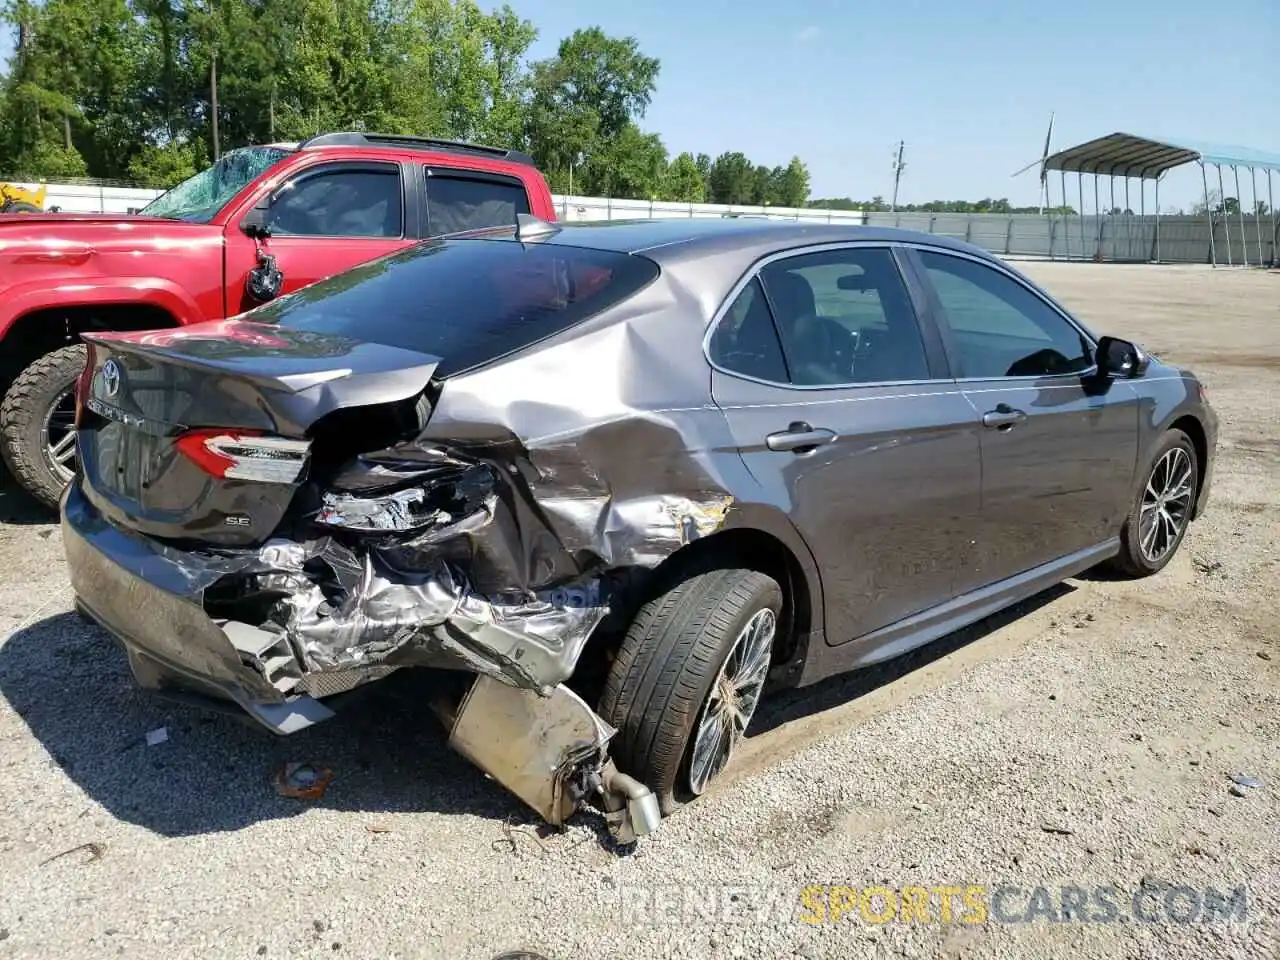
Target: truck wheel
x=687, y=680
x=37, y=424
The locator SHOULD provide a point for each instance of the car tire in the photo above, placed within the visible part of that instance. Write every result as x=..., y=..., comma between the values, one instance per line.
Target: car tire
x=36, y=396
x=1172, y=469
x=673, y=669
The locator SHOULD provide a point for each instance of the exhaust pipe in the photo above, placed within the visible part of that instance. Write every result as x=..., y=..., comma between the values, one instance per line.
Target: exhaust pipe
x=631, y=808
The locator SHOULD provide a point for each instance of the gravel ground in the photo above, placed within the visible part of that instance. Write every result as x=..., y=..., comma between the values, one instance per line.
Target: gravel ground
x=1084, y=740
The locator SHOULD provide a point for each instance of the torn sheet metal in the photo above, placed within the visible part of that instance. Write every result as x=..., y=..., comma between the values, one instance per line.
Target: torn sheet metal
x=340, y=610
x=438, y=558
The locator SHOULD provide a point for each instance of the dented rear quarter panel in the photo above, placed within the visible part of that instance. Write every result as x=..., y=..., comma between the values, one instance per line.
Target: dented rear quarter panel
x=624, y=455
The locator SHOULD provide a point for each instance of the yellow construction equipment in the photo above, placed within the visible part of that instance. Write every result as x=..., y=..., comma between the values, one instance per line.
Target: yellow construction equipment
x=14, y=199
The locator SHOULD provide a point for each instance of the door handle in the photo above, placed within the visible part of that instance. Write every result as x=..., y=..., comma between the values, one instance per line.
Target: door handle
x=799, y=438
x=1003, y=417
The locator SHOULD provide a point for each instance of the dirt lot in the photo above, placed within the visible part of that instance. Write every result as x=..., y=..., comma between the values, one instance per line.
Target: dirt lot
x=1086, y=740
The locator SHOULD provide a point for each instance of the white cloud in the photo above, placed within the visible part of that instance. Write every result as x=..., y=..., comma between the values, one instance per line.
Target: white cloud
x=807, y=34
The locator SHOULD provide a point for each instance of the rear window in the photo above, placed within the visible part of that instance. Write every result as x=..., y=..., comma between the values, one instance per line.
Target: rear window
x=466, y=301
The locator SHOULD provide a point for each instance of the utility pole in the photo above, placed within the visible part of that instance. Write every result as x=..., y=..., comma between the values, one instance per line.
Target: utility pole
x=213, y=101
x=898, y=167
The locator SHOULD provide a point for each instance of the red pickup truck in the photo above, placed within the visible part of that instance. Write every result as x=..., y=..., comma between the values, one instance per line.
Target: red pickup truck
x=261, y=222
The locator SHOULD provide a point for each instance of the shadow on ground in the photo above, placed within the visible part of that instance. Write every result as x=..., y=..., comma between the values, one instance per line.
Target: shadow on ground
x=71, y=685
x=17, y=506
x=785, y=706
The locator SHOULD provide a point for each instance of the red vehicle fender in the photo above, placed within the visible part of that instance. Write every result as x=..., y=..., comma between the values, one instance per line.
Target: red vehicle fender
x=23, y=298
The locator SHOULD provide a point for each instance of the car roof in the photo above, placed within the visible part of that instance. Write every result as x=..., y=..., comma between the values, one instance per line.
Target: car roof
x=680, y=239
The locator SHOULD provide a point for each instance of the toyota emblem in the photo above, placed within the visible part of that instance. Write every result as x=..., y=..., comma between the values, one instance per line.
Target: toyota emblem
x=111, y=378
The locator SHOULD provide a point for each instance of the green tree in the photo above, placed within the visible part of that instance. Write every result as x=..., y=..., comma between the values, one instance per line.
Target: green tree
x=585, y=98
x=154, y=89
x=632, y=164
x=761, y=186
x=168, y=165
x=684, y=181
x=732, y=179
x=792, y=186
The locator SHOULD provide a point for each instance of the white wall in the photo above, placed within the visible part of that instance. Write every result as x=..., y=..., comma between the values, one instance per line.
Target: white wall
x=1182, y=239
x=76, y=198
x=599, y=208
x=92, y=199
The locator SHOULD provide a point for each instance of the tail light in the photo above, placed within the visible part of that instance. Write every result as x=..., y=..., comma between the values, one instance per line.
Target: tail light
x=244, y=455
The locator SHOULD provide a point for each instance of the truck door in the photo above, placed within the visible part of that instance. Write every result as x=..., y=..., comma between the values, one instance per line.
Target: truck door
x=325, y=220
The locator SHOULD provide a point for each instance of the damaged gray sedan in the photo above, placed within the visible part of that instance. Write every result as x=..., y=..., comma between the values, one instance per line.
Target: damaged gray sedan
x=610, y=481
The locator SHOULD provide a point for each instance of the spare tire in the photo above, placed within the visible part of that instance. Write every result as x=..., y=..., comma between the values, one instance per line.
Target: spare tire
x=37, y=424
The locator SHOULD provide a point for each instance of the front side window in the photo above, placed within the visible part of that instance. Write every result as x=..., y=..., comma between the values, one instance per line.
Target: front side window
x=845, y=317
x=455, y=204
x=999, y=327
x=340, y=203
x=199, y=198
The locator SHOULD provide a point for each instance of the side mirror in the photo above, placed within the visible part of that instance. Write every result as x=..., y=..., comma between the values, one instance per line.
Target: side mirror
x=265, y=280
x=1120, y=359
x=254, y=223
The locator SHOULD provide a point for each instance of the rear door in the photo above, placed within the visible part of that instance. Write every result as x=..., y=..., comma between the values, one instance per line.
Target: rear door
x=324, y=220
x=455, y=200
x=842, y=408
x=1058, y=447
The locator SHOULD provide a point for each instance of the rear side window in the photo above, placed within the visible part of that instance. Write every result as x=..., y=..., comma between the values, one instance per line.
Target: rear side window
x=746, y=341
x=455, y=204
x=466, y=301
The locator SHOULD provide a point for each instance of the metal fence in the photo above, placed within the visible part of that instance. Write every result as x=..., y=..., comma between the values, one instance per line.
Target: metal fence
x=1114, y=239
x=1121, y=238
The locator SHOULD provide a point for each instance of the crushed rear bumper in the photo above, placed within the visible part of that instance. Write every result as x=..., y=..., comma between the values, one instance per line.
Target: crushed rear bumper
x=148, y=596
x=545, y=745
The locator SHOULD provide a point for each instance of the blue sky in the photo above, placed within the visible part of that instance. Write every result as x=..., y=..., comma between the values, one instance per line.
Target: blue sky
x=968, y=84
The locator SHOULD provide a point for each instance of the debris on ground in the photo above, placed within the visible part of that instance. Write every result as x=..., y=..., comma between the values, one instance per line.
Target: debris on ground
x=158, y=736
x=1206, y=566
x=377, y=828
x=93, y=848
x=1060, y=831
x=508, y=838
x=1244, y=780
x=302, y=781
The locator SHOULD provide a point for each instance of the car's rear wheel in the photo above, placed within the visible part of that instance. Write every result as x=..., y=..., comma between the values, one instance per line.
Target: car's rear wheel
x=687, y=680
x=37, y=424
x=1161, y=510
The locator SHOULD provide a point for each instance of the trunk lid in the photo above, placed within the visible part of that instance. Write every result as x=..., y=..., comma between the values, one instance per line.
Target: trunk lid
x=207, y=433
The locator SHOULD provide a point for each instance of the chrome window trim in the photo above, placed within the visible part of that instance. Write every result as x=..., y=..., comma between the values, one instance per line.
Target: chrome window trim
x=999, y=267
x=754, y=271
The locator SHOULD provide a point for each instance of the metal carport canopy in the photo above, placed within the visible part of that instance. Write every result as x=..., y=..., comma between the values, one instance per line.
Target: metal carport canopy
x=1128, y=155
